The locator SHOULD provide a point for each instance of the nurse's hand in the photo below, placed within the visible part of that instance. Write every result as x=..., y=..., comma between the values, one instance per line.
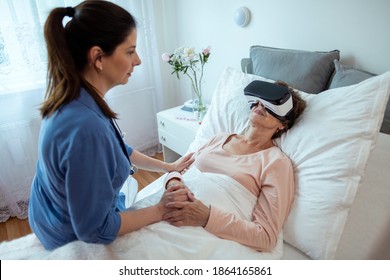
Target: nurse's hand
x=182, y=164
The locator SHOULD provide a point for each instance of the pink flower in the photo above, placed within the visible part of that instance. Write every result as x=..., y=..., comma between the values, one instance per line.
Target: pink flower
x=206, y=51
x=165, y=57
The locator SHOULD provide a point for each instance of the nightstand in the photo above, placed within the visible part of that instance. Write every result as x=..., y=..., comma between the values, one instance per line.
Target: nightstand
x=176, y=131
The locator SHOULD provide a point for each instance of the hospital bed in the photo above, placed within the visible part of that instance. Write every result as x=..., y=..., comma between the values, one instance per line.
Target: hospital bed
x=340, y=150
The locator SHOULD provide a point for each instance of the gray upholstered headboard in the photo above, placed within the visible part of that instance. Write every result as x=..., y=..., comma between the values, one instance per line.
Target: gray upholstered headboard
x=246, y=65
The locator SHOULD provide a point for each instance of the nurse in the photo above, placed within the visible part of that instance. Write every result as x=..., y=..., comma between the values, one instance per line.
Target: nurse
x=82, y=159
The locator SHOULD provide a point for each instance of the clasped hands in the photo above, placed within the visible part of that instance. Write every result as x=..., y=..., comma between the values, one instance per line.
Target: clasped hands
x=181, y=206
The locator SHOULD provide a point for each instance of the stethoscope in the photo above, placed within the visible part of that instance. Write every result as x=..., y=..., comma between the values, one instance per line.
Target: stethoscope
x=121, y=136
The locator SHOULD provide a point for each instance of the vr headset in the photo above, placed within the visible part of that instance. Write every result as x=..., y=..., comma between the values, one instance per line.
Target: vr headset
x=276, y=99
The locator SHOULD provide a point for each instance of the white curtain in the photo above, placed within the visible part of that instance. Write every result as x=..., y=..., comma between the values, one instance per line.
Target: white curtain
x=23, y=66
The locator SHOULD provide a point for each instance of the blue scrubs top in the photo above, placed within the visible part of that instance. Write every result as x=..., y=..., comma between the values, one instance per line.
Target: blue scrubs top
x=80, y=170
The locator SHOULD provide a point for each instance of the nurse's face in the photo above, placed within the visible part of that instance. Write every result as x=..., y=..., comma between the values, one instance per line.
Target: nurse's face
x=117, y=68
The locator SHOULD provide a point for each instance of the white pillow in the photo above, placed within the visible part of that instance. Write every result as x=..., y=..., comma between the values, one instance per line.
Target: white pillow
x=329, y=147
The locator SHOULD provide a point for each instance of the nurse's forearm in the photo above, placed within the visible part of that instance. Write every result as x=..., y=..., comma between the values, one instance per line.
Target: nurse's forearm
x=148, y=163
x=134, y=220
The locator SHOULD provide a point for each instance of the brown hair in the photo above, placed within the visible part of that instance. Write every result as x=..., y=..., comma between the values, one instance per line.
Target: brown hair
x=94, y=23
x=299, y=106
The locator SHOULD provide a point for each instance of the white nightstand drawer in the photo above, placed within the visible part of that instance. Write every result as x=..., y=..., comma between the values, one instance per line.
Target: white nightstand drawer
x=176, y=131
x=181, y=128
x=173, y=142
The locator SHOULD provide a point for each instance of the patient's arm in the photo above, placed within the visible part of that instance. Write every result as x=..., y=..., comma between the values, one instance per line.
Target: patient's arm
x=171, y=178
x=174, y=179
x=268, y=216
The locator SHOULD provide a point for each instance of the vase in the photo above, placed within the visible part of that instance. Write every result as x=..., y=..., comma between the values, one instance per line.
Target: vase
x=200, y=109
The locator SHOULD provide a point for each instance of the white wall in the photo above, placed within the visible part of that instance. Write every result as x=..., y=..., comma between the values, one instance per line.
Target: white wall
x=358, y=28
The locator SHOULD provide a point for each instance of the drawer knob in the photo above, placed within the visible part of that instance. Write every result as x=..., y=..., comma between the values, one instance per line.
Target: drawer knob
x=162, y=123
x=163, y=138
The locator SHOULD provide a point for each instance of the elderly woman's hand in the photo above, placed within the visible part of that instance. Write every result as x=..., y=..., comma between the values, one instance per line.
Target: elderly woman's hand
x=187, y=213
x=175, y=193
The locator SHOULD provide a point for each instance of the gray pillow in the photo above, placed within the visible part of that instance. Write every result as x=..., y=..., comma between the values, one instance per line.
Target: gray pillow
x=304, y=70
x=346, y=75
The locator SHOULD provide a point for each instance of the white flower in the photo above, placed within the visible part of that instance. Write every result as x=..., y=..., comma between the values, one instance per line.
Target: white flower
x=189, y=53
x=186, y=61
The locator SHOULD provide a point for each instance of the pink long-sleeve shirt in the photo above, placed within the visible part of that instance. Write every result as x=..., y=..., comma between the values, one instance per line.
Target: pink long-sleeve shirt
x=268, y=174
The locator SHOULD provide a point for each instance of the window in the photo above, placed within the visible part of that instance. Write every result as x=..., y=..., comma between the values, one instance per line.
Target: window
x=22, y=53
x=23, y=65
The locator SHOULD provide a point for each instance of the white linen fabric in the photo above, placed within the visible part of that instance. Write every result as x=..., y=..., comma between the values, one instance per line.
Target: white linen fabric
x=161, y=240
x=329, y=147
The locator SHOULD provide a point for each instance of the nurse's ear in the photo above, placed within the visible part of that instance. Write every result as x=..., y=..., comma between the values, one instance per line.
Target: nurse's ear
x=95, y=56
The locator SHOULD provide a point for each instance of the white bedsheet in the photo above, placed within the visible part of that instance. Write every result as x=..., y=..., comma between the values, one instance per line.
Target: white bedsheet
x=161, y=240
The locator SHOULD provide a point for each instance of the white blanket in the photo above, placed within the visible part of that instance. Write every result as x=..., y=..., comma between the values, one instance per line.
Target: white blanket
x=161, y=240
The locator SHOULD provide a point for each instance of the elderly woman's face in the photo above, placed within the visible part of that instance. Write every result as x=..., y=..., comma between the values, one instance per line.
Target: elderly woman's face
x=261, y=116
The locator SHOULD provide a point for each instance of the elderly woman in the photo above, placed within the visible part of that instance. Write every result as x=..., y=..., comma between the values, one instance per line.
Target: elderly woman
x=253, y=160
